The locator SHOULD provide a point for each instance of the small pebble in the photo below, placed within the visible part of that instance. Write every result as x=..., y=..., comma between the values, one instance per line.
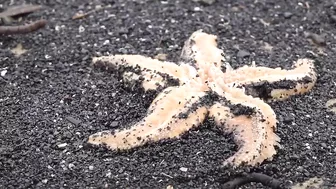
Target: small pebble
x=243, y=54
x=205, y=2
x=108, y=174
x=114, y=123
x=197, y=9
x=106, y=42
x=71, y=165
x=288, y=119
x=63, y=145
x=317, y=39
x=333, y=18
x=123, y=31
x=44, y=181
x=161, y=57
x=3, y=73
x=183, y=169
x=73, y=120
x=331, y=105
x=294, y=157
x=81, y=29
x=288, y=15
x=170, y=187
x=57, y=28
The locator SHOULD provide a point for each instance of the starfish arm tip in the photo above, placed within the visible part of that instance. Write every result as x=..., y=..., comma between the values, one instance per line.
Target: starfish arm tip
x=105, y=138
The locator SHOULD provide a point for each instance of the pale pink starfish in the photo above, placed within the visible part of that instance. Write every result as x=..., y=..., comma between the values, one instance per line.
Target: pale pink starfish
x=197, y=88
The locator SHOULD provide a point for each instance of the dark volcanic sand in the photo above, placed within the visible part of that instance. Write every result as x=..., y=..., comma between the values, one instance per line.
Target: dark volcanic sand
x=53, y=82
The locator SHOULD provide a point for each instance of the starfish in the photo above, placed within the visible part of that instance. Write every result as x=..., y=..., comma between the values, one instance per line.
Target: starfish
x=203, y=85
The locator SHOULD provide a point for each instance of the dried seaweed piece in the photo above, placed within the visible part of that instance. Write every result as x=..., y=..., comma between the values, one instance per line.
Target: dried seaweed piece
x=254, y=177
x=13, y=13
x=81, y=14
x=22, y=29
x=20, y=10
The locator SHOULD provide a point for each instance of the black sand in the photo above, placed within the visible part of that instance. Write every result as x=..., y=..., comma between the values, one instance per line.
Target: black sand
x=51, y=96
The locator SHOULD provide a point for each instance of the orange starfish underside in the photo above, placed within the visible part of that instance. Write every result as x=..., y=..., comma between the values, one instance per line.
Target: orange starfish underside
x=203, y=85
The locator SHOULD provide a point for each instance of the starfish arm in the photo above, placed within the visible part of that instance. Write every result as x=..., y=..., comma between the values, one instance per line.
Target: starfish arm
x=277, y=84
x=151, y=73
x=172, y=113
x=201, y=51
x=246, y=133
x=249, y=119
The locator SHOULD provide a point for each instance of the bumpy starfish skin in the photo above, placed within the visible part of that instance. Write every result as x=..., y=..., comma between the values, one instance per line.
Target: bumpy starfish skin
x=197, y=88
